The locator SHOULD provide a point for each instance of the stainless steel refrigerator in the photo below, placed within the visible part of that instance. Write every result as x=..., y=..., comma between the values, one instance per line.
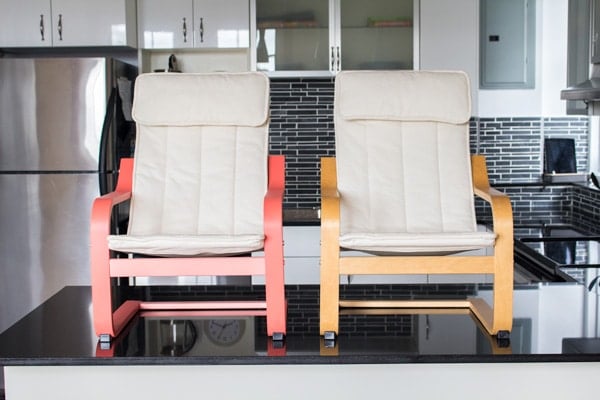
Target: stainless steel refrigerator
x=60, y=140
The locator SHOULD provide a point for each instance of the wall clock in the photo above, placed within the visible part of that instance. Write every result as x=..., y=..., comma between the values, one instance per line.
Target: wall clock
x=224, y=332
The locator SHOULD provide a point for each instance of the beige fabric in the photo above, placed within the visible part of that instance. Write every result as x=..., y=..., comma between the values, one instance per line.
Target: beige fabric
x=403, y=96
x=201, y=99
x=403, y=162
x=187, y=245
x=416, y=243
x=198, y=188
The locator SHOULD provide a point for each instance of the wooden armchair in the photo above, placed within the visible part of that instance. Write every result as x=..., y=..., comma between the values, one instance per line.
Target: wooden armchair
x=402, y=188
x=202, y=189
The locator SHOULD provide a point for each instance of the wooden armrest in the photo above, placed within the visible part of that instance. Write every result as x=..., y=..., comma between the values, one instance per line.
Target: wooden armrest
x=502, y=217
x=330, y=198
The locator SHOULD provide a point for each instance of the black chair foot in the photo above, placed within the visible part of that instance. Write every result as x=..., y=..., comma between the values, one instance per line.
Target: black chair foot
x=329, y=338
x=104, y=338
x=503, y=334
x=104, y=341
x=503, y=338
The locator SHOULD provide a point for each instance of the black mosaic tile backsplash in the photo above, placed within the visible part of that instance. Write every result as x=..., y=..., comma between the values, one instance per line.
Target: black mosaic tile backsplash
x=302, y=129
x=586, y=208
x=514, y=146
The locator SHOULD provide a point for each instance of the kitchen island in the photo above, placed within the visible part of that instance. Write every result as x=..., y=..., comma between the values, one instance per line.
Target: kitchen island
x=53, y=351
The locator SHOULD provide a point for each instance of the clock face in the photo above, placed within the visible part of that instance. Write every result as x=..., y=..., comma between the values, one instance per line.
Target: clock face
x=225, y=331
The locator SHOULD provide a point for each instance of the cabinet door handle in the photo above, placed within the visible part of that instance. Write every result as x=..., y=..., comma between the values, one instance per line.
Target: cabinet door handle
x=338, y=58
x=201, y=30
x=60, y=27
x=332, y=58
x=42, y=29
x=184, y=31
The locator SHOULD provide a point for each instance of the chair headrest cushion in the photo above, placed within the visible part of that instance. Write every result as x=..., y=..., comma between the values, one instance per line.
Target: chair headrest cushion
x=439, y=96
x=174, y=99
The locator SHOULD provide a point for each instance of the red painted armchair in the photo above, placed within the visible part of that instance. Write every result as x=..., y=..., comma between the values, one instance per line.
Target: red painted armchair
x=204, y=196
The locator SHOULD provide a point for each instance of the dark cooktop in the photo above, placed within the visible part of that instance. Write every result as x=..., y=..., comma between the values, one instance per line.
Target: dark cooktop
x=553, y=248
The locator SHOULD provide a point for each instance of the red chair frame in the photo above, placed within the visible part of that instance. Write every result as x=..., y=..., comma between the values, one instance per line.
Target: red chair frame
x=108, y=323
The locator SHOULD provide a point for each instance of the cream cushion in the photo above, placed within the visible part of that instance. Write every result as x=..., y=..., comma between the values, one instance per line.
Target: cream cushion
x=403, y=162
x=200, y=170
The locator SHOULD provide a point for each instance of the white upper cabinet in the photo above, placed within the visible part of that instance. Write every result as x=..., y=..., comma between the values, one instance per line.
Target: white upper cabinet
x=184, y=24
x=93, y=23
x=67, y=23
x=165, y=25
x=222, y=24
x=23, y=25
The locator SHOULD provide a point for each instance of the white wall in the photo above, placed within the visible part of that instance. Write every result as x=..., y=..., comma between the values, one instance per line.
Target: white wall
x=553, y=59
x=449, y=32
x=449, y=40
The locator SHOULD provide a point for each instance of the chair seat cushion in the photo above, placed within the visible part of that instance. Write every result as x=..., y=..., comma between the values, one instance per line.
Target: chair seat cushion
x=417, y=243
x=186, y=245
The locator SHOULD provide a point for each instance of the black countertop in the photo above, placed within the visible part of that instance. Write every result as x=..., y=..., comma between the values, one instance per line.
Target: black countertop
x=552, y=323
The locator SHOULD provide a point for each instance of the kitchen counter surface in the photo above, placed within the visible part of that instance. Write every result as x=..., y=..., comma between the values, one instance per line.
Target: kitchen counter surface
x=301, y=216
x=552, y=323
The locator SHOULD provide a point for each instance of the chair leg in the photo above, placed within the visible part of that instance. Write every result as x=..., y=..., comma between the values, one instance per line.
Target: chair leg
x=101, y=292
x=330, y=287
x=497, y=316
x=276, y=308
x=107, y=324
x=275, y=291
x=503, y=299
x=503, y=281
x=274, y=271
x=330, y=250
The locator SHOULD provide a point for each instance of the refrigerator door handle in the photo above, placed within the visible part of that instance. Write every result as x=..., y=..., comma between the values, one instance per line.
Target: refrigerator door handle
x=42, y=28
x=104, y=140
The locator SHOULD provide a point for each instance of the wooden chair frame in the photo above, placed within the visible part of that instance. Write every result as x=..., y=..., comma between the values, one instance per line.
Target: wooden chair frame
x=108, y=323
x=498, y=347
x=496, y=319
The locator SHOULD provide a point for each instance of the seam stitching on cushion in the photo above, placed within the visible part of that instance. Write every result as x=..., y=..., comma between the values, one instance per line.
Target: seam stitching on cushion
x=164, y=179
x=368, y=173
x=403, y=166
x=439, y=175
x=235, y=181
x=200, y=178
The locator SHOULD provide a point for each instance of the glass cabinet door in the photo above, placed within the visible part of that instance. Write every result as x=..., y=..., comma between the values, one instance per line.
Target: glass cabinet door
x=292, y=35
x=376, y=34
